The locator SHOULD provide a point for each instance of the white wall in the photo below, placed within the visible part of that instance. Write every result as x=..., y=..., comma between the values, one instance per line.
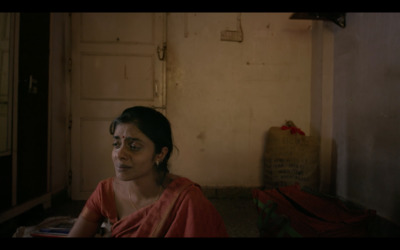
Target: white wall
x=223, y=96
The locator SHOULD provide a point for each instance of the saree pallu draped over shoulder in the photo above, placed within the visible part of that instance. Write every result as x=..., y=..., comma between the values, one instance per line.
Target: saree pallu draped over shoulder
x=181, y=211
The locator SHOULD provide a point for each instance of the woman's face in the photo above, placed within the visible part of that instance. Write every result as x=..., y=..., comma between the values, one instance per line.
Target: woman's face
x=133, y=153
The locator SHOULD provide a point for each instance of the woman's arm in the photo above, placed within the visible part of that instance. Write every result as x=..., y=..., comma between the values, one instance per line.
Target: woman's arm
x=87, y=224
x=84, y=228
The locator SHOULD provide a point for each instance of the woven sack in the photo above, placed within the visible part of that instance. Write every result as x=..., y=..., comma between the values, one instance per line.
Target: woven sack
x=290, y=158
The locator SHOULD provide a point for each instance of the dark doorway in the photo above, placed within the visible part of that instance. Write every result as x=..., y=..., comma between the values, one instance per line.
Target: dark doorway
x=5, y=182
x=33, y=74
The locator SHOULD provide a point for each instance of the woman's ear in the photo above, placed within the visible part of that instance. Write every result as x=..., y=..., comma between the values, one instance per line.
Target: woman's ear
x=160, y=156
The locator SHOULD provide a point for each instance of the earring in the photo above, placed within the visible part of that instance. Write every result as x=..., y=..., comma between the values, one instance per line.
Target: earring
x=157, y=163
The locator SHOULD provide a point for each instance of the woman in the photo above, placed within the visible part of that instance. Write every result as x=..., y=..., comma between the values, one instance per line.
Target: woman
x=143, y=199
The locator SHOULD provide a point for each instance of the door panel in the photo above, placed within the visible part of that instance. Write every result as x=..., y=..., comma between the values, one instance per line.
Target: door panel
x=91, y=159
x=121, y=27
x=117, y=77
x=114, y=66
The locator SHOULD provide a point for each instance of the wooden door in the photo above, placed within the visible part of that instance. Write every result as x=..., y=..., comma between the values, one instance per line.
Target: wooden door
x=117, y=62
x=33, y=84
x=5, y=112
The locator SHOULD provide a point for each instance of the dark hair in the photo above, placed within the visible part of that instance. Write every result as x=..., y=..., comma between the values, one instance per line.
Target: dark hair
x=151, y=123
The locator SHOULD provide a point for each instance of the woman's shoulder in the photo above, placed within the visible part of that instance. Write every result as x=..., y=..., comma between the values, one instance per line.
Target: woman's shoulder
x=107, y=181
x=179, y=181
x=184, y=186
x=105, y=184
x=190, y=195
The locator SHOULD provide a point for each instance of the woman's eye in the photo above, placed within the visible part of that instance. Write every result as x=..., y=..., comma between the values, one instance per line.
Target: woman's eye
x=116, y=144
x=135, y=147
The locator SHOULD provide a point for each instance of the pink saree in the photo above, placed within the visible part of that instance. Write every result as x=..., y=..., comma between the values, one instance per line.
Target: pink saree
x=181, y=211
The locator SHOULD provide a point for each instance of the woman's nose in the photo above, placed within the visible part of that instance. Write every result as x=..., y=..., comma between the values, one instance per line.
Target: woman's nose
x=122, y=153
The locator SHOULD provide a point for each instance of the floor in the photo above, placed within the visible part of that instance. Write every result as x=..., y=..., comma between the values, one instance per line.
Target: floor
x=239, y=215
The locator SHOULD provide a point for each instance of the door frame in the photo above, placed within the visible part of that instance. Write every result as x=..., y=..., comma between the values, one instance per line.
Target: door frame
x=44, y=199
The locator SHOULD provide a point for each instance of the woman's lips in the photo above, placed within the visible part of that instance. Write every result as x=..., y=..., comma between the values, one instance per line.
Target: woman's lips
x=122, y=168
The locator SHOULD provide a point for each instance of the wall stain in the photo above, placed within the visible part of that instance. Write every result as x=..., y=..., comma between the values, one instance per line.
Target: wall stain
x=201, y=136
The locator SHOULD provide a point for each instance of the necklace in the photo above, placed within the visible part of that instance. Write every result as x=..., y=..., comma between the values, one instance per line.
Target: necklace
x=133, y=204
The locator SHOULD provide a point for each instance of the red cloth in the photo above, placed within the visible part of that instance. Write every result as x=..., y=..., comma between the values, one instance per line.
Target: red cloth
x=293, y=130
x=313, y=216
x=181, y=211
